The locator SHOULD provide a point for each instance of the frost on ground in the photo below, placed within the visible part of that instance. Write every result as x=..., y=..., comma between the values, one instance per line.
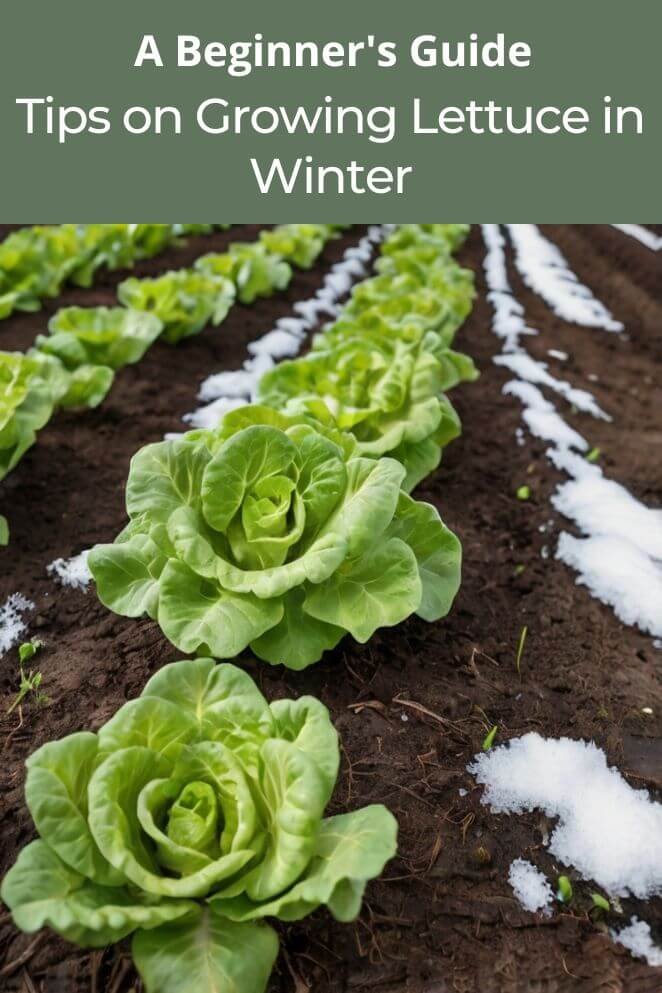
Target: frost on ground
x=545, y=271
x=12, y=624
x=610, y=832
x=72, y=572
x=530, y=886
x=637, y=938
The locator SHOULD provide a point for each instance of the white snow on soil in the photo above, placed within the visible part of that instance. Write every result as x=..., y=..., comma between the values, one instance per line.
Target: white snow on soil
x=541, y=416
x=530, y=886
x=642, y=234
x=531, y=371
x=610, y=832
x=637, y=938
x=72, y=572
x=619, y=574
x=619, y=557
x=12, y=624
x=228, y=390
x=545, y=271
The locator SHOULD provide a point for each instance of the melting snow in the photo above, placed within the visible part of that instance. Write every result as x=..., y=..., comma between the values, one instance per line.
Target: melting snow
x=72, y=572
x=545, y=271
x=530, y=886
x=610, y=832
x=531, y=371
x=620, y=558
x=601, y=506
x=637, y=938
x=619, y=574
x=12, y=624
x=642, y=234
x=541, y=417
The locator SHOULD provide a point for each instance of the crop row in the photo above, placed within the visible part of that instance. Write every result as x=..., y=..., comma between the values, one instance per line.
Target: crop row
x=74, y=365
x=36, y=262
x=197, y=811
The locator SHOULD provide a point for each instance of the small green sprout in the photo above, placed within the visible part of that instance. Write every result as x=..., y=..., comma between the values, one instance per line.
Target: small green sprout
x=4, y=531
x=523, y=493
x=28, y=650
x=489, y=738
x=30, y=681
x=600, y=901
x=564, y=890
x=593, y=455
x=519, y=569
x=520, y=649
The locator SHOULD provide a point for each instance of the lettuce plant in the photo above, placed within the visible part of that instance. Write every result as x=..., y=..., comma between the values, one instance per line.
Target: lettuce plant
x=299, y=244
x=31, y=387
x=445, y=239
x=183, y=300
x=36, y=261
x=272, y=532
x=108, y=336
x=193, y=814
x=434, y=293
x=387, y=392
x=255, y=271
x=29, y=391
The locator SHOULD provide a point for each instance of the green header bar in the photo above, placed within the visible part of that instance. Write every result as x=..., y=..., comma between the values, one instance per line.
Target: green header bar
x=473, y=111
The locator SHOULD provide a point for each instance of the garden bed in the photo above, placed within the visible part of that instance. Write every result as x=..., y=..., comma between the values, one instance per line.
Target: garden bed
x=414, y=704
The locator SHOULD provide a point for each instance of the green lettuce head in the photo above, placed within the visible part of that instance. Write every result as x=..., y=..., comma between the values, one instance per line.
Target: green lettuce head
x=32, y=385
x=439, y=297
x=272, y=532
x=387, y=392
x=194, y=813
x=183, y=300
x=109, y=336
x=299, y=244
x=255, y=271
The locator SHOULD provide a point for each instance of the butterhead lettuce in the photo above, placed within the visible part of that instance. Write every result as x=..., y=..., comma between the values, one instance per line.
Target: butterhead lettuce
x=389, y=393
x=193, y=814
x=273, y=532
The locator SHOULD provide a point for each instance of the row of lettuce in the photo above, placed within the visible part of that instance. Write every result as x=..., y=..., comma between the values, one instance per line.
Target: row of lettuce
x=197, y=811
x=36, y=262
x=290, y=524
x=75, y=363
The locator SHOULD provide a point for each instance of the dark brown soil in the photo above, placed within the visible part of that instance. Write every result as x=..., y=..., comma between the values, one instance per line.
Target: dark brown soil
x=443, y=918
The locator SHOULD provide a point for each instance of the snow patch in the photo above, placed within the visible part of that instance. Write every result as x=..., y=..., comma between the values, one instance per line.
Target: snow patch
x=620, y=559
x=618, y=574
x=610, y=832
x=545, y=271
x=530, y=371
x=530, y=886
x=73, y=572
x=541, y=416
x=601, y=506
x=637, y=938
x=642, y=234
x=12, y=624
